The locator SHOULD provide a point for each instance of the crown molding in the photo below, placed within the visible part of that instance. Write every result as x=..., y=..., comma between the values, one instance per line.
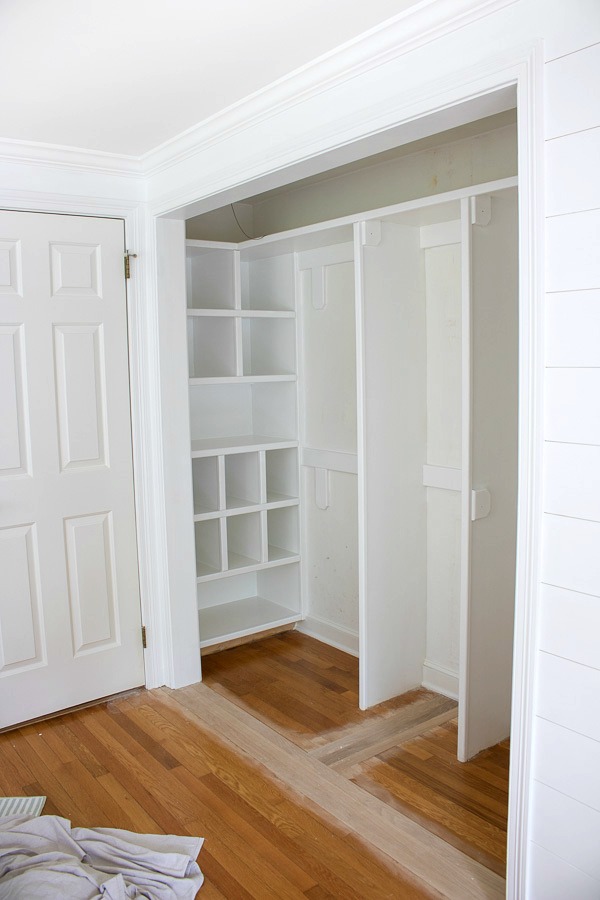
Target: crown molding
x=97, y=162
x=416, y=26
x=413, y=28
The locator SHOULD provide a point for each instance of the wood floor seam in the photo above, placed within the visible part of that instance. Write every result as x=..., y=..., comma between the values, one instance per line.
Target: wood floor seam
x=426, y=856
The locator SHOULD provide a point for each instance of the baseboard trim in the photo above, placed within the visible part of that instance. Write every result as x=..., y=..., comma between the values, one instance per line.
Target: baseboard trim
x=329, y=633
x=439, y=679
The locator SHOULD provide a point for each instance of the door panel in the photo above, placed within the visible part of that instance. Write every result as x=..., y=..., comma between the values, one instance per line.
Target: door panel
x=69, y=596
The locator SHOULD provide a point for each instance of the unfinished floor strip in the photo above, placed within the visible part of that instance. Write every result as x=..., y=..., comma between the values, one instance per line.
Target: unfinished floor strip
x=359, y=742
x=429, y=858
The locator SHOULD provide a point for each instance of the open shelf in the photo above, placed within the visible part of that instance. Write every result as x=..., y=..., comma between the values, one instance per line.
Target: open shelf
x=250, y=615
x=242, y=480
x=248, y=603
x=268, y=347
x=208, y=548
x=210, y=278
x=212, y=348
x=283, y=533
x=244, y=541
x=281, y=474
x=268, y=284
x=205, y=478
x=238, y=444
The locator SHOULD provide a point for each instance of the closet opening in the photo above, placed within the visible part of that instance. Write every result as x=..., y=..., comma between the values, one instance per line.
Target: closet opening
x=352, y=346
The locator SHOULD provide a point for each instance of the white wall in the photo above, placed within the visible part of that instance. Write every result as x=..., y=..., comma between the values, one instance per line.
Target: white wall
x=566, y=794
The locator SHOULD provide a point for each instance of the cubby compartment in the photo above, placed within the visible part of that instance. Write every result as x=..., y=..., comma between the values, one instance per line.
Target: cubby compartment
x=208, y=547
x=246, y=604
x=205, y=478
x=281, y=474
x=211, y=347
x=268, y=283
x=226, y=415
x=243, y=540
x=283, y=533
x=268, y=346
x=242, y=480
x=210, y=277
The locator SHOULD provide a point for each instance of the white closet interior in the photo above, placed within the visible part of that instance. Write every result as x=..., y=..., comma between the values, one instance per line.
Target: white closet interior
x=352, y=396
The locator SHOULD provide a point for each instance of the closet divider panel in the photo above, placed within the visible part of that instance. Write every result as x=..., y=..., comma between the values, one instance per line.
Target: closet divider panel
x=392, y=424
x=486, y=644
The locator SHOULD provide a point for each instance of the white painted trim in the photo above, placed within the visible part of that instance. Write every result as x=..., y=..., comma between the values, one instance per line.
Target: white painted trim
x=466, y=479
x=145, y=412
x=531, y=442
x=445, y=477
x=440, y=679
x=332, y=460
x=414, y=27
x=440, y=234
x=97, y=162
x=361, y=444
x=329, y=633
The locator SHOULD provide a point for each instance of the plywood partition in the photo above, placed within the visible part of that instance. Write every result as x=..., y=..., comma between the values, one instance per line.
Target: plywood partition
x=392, y=425
x=488, y=598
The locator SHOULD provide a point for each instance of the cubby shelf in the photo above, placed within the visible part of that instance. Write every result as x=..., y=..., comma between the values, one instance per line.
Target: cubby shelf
x=244, y=507
x=238, y=444
x=251, y=614
x=277, y=557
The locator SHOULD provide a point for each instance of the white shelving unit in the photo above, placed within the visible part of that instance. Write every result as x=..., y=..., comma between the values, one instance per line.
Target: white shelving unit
x=243, y=422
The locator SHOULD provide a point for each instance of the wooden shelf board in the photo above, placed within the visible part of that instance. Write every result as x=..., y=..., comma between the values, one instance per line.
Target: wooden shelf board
x=244, y=313
x=256, y=567
x=250, y=615
x=279, y=553
x=245, y=506
x=273, y=497
x=238, y=444
x=204, y=569
x=239, y=379
x=237, y=561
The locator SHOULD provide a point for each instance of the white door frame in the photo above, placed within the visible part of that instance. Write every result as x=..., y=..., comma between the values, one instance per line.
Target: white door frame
x=522, y=69
x=145, y=412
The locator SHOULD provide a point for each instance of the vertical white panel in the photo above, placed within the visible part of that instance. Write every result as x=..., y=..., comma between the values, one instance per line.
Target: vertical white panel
x=571, y=105
x=392, y=394
x=568, y=693
x=552, y=878
x=14, y=439
x=486, y=707
x=80, y=389
x=572, y=398
x=569, y=161
x=11, y=274
x=572, y=260
x=569, y=624
x=572, y=480
x=21, y=641
x=556, y=768
x=92, y=588
x=75, y=271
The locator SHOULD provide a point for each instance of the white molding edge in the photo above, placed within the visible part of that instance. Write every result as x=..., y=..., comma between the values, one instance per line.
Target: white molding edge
x=414, y=27
x=97, y=162
x=145, y=413
x=440, y=679
x=530, y=472
x=332, y=460
x=329, y=633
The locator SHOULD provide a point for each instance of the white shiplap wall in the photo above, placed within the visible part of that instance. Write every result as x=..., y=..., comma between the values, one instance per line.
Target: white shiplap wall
x=565, y=832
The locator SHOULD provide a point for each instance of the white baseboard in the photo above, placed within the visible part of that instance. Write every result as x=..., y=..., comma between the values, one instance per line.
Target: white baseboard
x=335, y=635
x=439, y=679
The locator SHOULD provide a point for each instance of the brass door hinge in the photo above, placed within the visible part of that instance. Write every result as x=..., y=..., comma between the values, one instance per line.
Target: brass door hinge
x=144, y=641
x=127, y=257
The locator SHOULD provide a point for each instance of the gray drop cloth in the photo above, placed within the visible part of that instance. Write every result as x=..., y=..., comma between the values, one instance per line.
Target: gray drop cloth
x=44, y=858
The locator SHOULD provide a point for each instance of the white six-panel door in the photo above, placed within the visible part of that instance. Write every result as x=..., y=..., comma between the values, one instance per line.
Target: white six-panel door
x=70, y=625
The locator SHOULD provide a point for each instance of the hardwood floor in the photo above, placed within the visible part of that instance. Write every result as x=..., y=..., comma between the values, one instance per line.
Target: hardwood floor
x=418, y=774
x=140, y=764
x=297, y=792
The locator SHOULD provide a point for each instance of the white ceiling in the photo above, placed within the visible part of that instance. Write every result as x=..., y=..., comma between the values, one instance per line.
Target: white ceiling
x=124, y=76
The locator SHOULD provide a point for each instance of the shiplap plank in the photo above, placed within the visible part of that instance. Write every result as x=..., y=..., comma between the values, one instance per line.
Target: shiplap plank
x=572, y=259
x=572, y=480
x=572, y=328
x=567, y=828
x=556, y=766
x=570, y=28
x=570, y=557
x=570, y=625
x=569, y=162
x=572, y=412
x=568, y=694
x=551, y=878
x=572, y=104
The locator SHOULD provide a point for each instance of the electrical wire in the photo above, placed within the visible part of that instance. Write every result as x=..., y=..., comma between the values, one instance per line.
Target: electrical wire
x=245, y=233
